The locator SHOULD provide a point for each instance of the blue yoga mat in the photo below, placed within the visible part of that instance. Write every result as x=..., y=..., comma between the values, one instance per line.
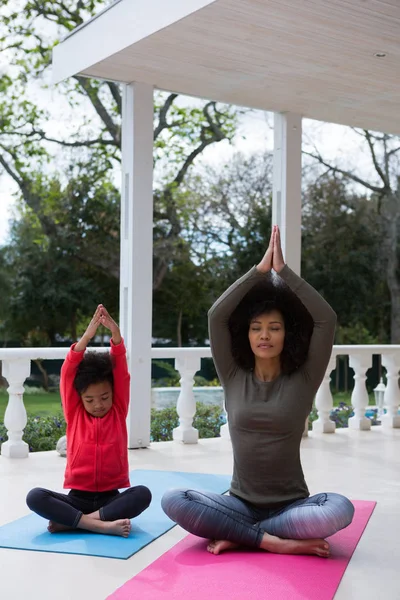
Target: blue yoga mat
x=30, y=533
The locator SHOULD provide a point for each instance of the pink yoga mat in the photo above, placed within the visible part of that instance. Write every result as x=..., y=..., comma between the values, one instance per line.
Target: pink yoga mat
x=189, y=571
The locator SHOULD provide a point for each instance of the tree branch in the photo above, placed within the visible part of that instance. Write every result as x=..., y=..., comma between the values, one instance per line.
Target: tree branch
x=99, y=107
x=77, y=144
x=99, y=141
x=348, y=174
x=385, y=156
x=116, y=94
x=217, y=136
x=393, y=151
x=11, y=173
x=162, y=121
x=377, y=166
x=110, y=267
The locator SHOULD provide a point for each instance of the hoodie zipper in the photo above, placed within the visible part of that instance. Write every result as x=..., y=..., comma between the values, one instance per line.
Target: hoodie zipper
x=97, y=455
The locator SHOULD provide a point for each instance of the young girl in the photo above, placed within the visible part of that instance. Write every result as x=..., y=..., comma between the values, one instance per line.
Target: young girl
x=271, y=346
x=95, y=398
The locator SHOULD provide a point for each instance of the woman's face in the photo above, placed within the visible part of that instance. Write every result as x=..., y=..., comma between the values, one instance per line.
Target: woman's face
x=267, y=334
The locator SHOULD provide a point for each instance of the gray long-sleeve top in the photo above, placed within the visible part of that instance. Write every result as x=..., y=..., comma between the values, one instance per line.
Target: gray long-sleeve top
x=266, y=419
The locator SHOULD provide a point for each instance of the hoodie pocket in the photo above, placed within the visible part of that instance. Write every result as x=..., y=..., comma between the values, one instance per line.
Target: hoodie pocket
x=110, y=462
x=83, y=465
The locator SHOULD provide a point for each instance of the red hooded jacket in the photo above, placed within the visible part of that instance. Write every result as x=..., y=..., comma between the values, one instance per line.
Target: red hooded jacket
x=97, y=448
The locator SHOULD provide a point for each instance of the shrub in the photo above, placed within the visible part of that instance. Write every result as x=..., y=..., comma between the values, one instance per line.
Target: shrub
x=41, y=433
x=162, y=423
x=208, y=420
x=34, y=391
x=200, y=381
x=340, y=415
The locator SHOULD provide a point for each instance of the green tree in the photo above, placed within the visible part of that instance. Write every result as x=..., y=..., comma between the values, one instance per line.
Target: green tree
x=29, y=33
x=230, y=211
x=341, y=257
x=226, y=218
x=382, y=184
x=180, y=305
x=341, y=240
x=55, y=284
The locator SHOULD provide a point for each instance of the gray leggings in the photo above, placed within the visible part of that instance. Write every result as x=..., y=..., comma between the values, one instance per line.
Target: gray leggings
x=213, y=516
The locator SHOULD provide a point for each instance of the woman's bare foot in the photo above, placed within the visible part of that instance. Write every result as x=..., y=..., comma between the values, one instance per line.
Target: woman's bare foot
x=217, y=546
x=57, y=527
x=318, y=547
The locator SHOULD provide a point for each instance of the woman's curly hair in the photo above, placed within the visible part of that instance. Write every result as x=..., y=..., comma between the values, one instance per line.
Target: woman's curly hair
x=95, y=367
x=272, y=294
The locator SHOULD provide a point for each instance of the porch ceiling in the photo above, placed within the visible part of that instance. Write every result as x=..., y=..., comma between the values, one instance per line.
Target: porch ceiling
x=315, y=57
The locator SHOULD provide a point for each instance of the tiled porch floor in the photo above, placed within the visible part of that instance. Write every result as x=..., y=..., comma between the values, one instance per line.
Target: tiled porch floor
x=362, y=465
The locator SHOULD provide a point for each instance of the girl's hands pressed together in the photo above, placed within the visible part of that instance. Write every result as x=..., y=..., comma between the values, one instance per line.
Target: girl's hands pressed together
x=109, y=323
x=100, y=317
x=90, y=330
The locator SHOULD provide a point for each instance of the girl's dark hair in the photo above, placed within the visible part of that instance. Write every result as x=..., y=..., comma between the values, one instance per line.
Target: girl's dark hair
x=272, y=294
x=95, y=367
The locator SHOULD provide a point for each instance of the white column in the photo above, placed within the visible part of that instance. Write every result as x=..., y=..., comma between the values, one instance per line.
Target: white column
x=286, y=199
x=360, y=363
x=391, y=362
x=324, y=403
x=136, y=278
x=186, y=406
x=15, y=371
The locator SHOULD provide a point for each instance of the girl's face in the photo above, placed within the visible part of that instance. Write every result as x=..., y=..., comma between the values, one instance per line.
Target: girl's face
x=98, y=398
x=267, y=335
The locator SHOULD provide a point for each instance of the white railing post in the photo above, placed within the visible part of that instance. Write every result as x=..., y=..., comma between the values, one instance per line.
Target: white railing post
x=224, y=429
x=392, y=393
x=360, y=363
x=15, y=418
x=324, y=402
x=186, y=405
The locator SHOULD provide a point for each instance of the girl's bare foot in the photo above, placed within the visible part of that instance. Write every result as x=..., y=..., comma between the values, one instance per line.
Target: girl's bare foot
x=318, y=547
x=57, y=527
x=217, y=546
x=121, y=527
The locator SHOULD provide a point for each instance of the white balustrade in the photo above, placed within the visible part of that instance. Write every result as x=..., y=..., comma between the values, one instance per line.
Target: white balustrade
x=15, y=418
x=16, y=368
x=186, y=406
x=324, y=403
x=360, y=361
x=391, y=362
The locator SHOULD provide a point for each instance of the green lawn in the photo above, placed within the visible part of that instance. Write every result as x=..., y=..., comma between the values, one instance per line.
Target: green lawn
x=50, y=404
x=37, y=405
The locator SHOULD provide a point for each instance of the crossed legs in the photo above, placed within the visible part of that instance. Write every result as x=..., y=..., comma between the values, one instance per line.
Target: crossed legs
x=299, y=528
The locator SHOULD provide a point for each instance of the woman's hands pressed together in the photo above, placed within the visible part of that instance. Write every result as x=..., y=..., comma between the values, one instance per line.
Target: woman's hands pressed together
x=273, y=258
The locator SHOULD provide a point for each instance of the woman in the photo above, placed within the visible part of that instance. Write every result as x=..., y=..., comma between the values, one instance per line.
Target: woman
x=271, y=368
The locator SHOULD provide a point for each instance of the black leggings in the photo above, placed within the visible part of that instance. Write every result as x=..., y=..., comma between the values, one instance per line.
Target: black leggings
x=67, y=509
